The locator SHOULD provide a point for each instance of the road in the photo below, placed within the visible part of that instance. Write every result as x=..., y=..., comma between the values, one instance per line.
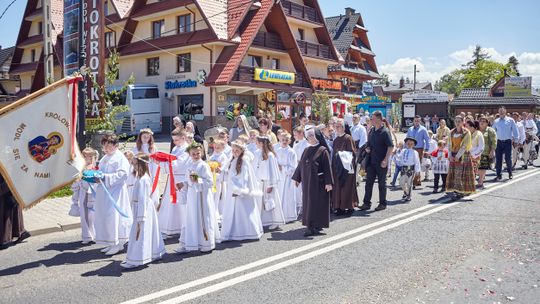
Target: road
x=484, y=249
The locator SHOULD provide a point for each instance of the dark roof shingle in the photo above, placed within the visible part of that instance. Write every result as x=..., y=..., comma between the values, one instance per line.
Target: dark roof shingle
x=341, y=30
x=5, y=54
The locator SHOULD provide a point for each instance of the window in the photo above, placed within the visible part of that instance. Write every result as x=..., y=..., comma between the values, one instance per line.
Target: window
x=275, y=64
x=302, y=34
x=157, y=28
x=183, y=63
x=255, y=61
x=32, y=55
x=40, y=28
x=152, y=66
x=110, y=40
x=184, y=24
x=150, y=93
x=190, y=105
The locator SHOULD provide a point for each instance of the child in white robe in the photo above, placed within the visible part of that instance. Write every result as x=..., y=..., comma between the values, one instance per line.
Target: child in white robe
x=200, y=231
x=171, y=216
x=267, y=172
x=287, y=162
x=252, y=145
x=145, y=243
x=244, y=139
x=241, y=214
x=131, y=177
x=300, y=144
x=83, y=199
x=113, y=219
x=145, y=144
x=410, y=167
x=222, y=159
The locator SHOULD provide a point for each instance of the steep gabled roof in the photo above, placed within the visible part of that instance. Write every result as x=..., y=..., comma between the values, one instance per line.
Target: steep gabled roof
x=5, y=54
x=237, y=10
x=122, y=7
x=341, y=30
x=215, y=14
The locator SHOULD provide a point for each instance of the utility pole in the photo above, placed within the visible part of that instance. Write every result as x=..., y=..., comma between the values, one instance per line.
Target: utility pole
x=414, y=79
x=48, y=58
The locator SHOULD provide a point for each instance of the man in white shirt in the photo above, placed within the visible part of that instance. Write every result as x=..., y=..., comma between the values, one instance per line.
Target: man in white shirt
x=358, y=132
x=518, y=146
x=530, y=134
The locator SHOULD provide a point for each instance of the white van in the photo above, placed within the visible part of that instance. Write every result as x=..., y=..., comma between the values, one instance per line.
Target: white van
x=144, y=108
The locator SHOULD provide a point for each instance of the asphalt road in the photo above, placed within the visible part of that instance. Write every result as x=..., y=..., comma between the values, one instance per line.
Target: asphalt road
x=484, y=249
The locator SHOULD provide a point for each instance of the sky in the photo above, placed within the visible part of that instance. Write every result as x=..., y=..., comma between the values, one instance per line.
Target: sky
x=438, y=36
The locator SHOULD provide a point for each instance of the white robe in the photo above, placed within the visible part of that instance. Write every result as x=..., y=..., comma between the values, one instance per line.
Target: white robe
x=149, y=246
x=130, y=182
x=223, y=160
x=287, y=161
x=112, y=228
x=171, y=216
x=241, y=213
x=252, y=147
x=267, y=173
x=145, y=148
x=201, y=219
x=85, y=199
x=299, y=148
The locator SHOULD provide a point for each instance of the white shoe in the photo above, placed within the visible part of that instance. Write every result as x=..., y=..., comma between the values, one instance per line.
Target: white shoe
x=272, y=227
x=126, y=265
x=114, y=250
x=105, y=249
x=180, y=250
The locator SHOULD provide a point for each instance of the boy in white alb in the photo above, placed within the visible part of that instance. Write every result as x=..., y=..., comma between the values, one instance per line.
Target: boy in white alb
x=222, y=159
x=410, y=167
x=300, y=144
x=287, y=162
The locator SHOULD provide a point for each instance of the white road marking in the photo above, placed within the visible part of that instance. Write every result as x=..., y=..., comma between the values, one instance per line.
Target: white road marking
x=298, y=259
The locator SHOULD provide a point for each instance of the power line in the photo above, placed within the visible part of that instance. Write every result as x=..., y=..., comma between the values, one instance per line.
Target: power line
x=5, y=10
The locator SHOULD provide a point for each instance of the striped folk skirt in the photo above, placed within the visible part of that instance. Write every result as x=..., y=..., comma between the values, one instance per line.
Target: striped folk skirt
x=461, y=176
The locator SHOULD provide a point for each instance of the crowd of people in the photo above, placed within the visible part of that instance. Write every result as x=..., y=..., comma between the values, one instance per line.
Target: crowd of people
x=250, y=178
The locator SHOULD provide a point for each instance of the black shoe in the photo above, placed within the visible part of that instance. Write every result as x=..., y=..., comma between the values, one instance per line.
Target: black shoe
x=23, y=236
x=380, y=207
x=414, y=187
x=498, y=178
x=435, y=190
x=349, y=212
x=510, y=176
x=310, y=232
x=365, y=207
x=339, y=212
x=5, y=246
x=525, y=167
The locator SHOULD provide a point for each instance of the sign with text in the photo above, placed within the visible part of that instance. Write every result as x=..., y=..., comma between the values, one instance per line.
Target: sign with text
x=517, y=86
x=326, y=84
x=274, y=76
x=409, y=110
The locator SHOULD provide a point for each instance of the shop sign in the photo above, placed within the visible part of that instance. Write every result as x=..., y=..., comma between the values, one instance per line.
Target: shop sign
x=375, y=99
x=274, y=76
x=409, y=110
x=326, y=84
x=517, y=86
x=171, y=85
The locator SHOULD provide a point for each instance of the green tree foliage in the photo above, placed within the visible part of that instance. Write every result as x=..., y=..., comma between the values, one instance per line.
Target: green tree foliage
x=480, y=72
x=383, y=80
x=321, y=107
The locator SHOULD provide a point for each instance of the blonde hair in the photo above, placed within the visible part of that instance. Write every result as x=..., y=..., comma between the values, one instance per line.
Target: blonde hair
x=244, y=138
x=90, y=152
x=253, y=131
x=219, y=142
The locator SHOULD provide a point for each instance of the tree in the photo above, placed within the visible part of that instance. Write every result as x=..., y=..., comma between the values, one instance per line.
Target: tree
x=321, y=107
x=513, y=66
x=450, y=83
x=383, y=80
x=483, y=75
x=478, y=55
x=407, y=80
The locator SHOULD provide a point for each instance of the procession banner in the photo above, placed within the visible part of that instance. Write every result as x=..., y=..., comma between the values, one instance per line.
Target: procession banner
x=38, y=149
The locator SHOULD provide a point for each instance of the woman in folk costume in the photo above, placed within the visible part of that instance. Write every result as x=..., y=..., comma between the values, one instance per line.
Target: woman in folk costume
x=241, y=126
x=241, y=214
x=219, y=172
x=200, y=231
x=145, y=144
x=267, y=172
x=410, y=167
x=287, y=163
x=145, y=242
x=83, y=199
x=314, y=173
x=460, y=178
x=477, y=143
x=171, y=215
x=488, y=155
x=112, y=213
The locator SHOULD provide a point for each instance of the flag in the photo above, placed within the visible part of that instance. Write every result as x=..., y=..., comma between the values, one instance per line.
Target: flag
x=38, y=149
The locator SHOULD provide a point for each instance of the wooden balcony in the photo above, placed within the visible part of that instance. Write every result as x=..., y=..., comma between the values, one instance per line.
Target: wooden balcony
x=302, y=12
x=315, y=50
x=268, y=40
x=246, y=74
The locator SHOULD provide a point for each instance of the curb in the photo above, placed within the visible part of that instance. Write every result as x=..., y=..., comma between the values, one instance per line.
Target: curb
x=60, y=228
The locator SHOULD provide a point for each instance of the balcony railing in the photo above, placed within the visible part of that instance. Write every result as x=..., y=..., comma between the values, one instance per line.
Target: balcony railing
x=247, y=74
x=268, y=40
x=315, y=50
x=301, y=11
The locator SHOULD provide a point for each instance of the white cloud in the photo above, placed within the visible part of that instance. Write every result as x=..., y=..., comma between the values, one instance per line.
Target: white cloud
x=432, y=68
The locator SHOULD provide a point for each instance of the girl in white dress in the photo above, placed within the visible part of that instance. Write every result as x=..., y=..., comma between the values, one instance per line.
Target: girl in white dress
x=287, y=162
x=248, y=154
x=131, y=177
x=219, y=156
x=145, y=144
x=171, y=216
x=200, y=231
x=267, y=172
x=112, y=216
x=241, y=214
x=300, y=144
x=145, y=242
x=83, y=199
